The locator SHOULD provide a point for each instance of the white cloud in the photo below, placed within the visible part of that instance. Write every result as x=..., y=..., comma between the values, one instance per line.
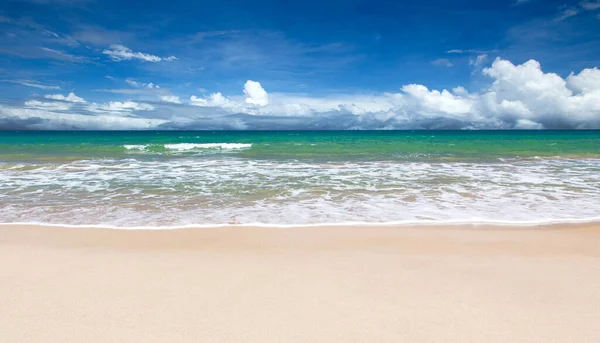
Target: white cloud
x=520, y=96
x=137, y=84
x=61, y=55
x=479, y=60
x=33, y=84
x=525, y=124
x=470, y=51
x=568, y=13
x=587, y=81
x=120, y=106
x=460, y=90
x=256, y=95
x=591, y=5
x=213, y=100
x=118, y=52
x=48, y=105
x=443, y=62
x=435, y=102
x=170, y=98
x=44, y=119
x=71, y=97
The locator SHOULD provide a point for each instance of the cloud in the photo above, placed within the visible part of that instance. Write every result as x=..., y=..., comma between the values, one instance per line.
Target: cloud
x=590, y=5
x=214, y=100
x=60, y=55
x=137, y=84
x=71, y=97
x=45, y=119
x=118, y=52
x=125, y=106
x=442, y=62
x=520, y=2
x=568, y=13
x=170, y=98
x=479, y=60
x=33, y=84
x=48, y=105
x=100, y=36
x=470, y=51
x=587, y=81
x=256, y=95
x=518, y=96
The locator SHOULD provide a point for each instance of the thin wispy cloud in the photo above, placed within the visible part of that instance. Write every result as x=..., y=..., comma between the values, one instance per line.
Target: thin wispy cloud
x=442, y=62
x=471, y=51
x=566, y=14
x=61, y=55
x=118, y=52
x=34, y=84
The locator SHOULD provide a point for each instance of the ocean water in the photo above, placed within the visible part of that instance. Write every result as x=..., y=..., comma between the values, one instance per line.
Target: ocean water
x=167, y=179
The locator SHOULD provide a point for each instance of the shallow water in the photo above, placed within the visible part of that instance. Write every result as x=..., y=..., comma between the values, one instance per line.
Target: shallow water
x=175, y=178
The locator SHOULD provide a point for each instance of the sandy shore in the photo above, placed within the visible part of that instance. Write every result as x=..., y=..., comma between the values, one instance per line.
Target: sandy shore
x=336, y=284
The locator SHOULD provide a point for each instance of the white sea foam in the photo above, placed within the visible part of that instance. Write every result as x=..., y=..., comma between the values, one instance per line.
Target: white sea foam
x=193, y=192
x=192, y=146
x=135, y=146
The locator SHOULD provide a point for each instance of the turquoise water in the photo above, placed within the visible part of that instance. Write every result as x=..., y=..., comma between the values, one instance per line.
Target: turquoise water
x=178, y=178
x=319, y=145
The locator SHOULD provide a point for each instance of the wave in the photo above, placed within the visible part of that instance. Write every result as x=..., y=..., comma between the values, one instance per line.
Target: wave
x=190, y=146
x=207, y=192
x=401, y=223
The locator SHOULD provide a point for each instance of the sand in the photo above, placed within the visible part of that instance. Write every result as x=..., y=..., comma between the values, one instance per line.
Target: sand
x=326, y=284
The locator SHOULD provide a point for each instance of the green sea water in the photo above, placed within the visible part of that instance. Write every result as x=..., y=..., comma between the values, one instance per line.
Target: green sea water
x=162, y=179
x=319, y=145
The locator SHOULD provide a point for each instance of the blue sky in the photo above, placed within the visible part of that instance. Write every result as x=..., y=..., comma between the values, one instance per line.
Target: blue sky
x=315, y=61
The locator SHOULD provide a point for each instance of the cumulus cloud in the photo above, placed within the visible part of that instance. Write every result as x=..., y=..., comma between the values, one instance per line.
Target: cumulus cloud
x=118, y=52
x=71, y=97
x=587, y=81
x=170, y=98
x=256, y=95
x=518, y=96
x=213, y=100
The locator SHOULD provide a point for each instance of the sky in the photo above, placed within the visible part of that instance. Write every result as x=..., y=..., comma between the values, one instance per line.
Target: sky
x=253, y=65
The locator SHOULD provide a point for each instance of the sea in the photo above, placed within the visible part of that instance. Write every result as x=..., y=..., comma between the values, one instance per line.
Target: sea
x=175, y=179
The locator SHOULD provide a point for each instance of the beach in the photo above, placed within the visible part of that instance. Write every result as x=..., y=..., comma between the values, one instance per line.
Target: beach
x=472, y=283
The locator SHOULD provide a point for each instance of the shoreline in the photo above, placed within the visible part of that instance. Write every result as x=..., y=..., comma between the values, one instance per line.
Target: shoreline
x=311, y=284
x=542, y=224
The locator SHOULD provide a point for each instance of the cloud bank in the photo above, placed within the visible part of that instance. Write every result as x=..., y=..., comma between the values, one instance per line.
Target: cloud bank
x=519, y=96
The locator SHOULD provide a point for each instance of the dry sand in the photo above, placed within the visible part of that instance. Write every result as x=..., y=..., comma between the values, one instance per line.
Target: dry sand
x=335, y=284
